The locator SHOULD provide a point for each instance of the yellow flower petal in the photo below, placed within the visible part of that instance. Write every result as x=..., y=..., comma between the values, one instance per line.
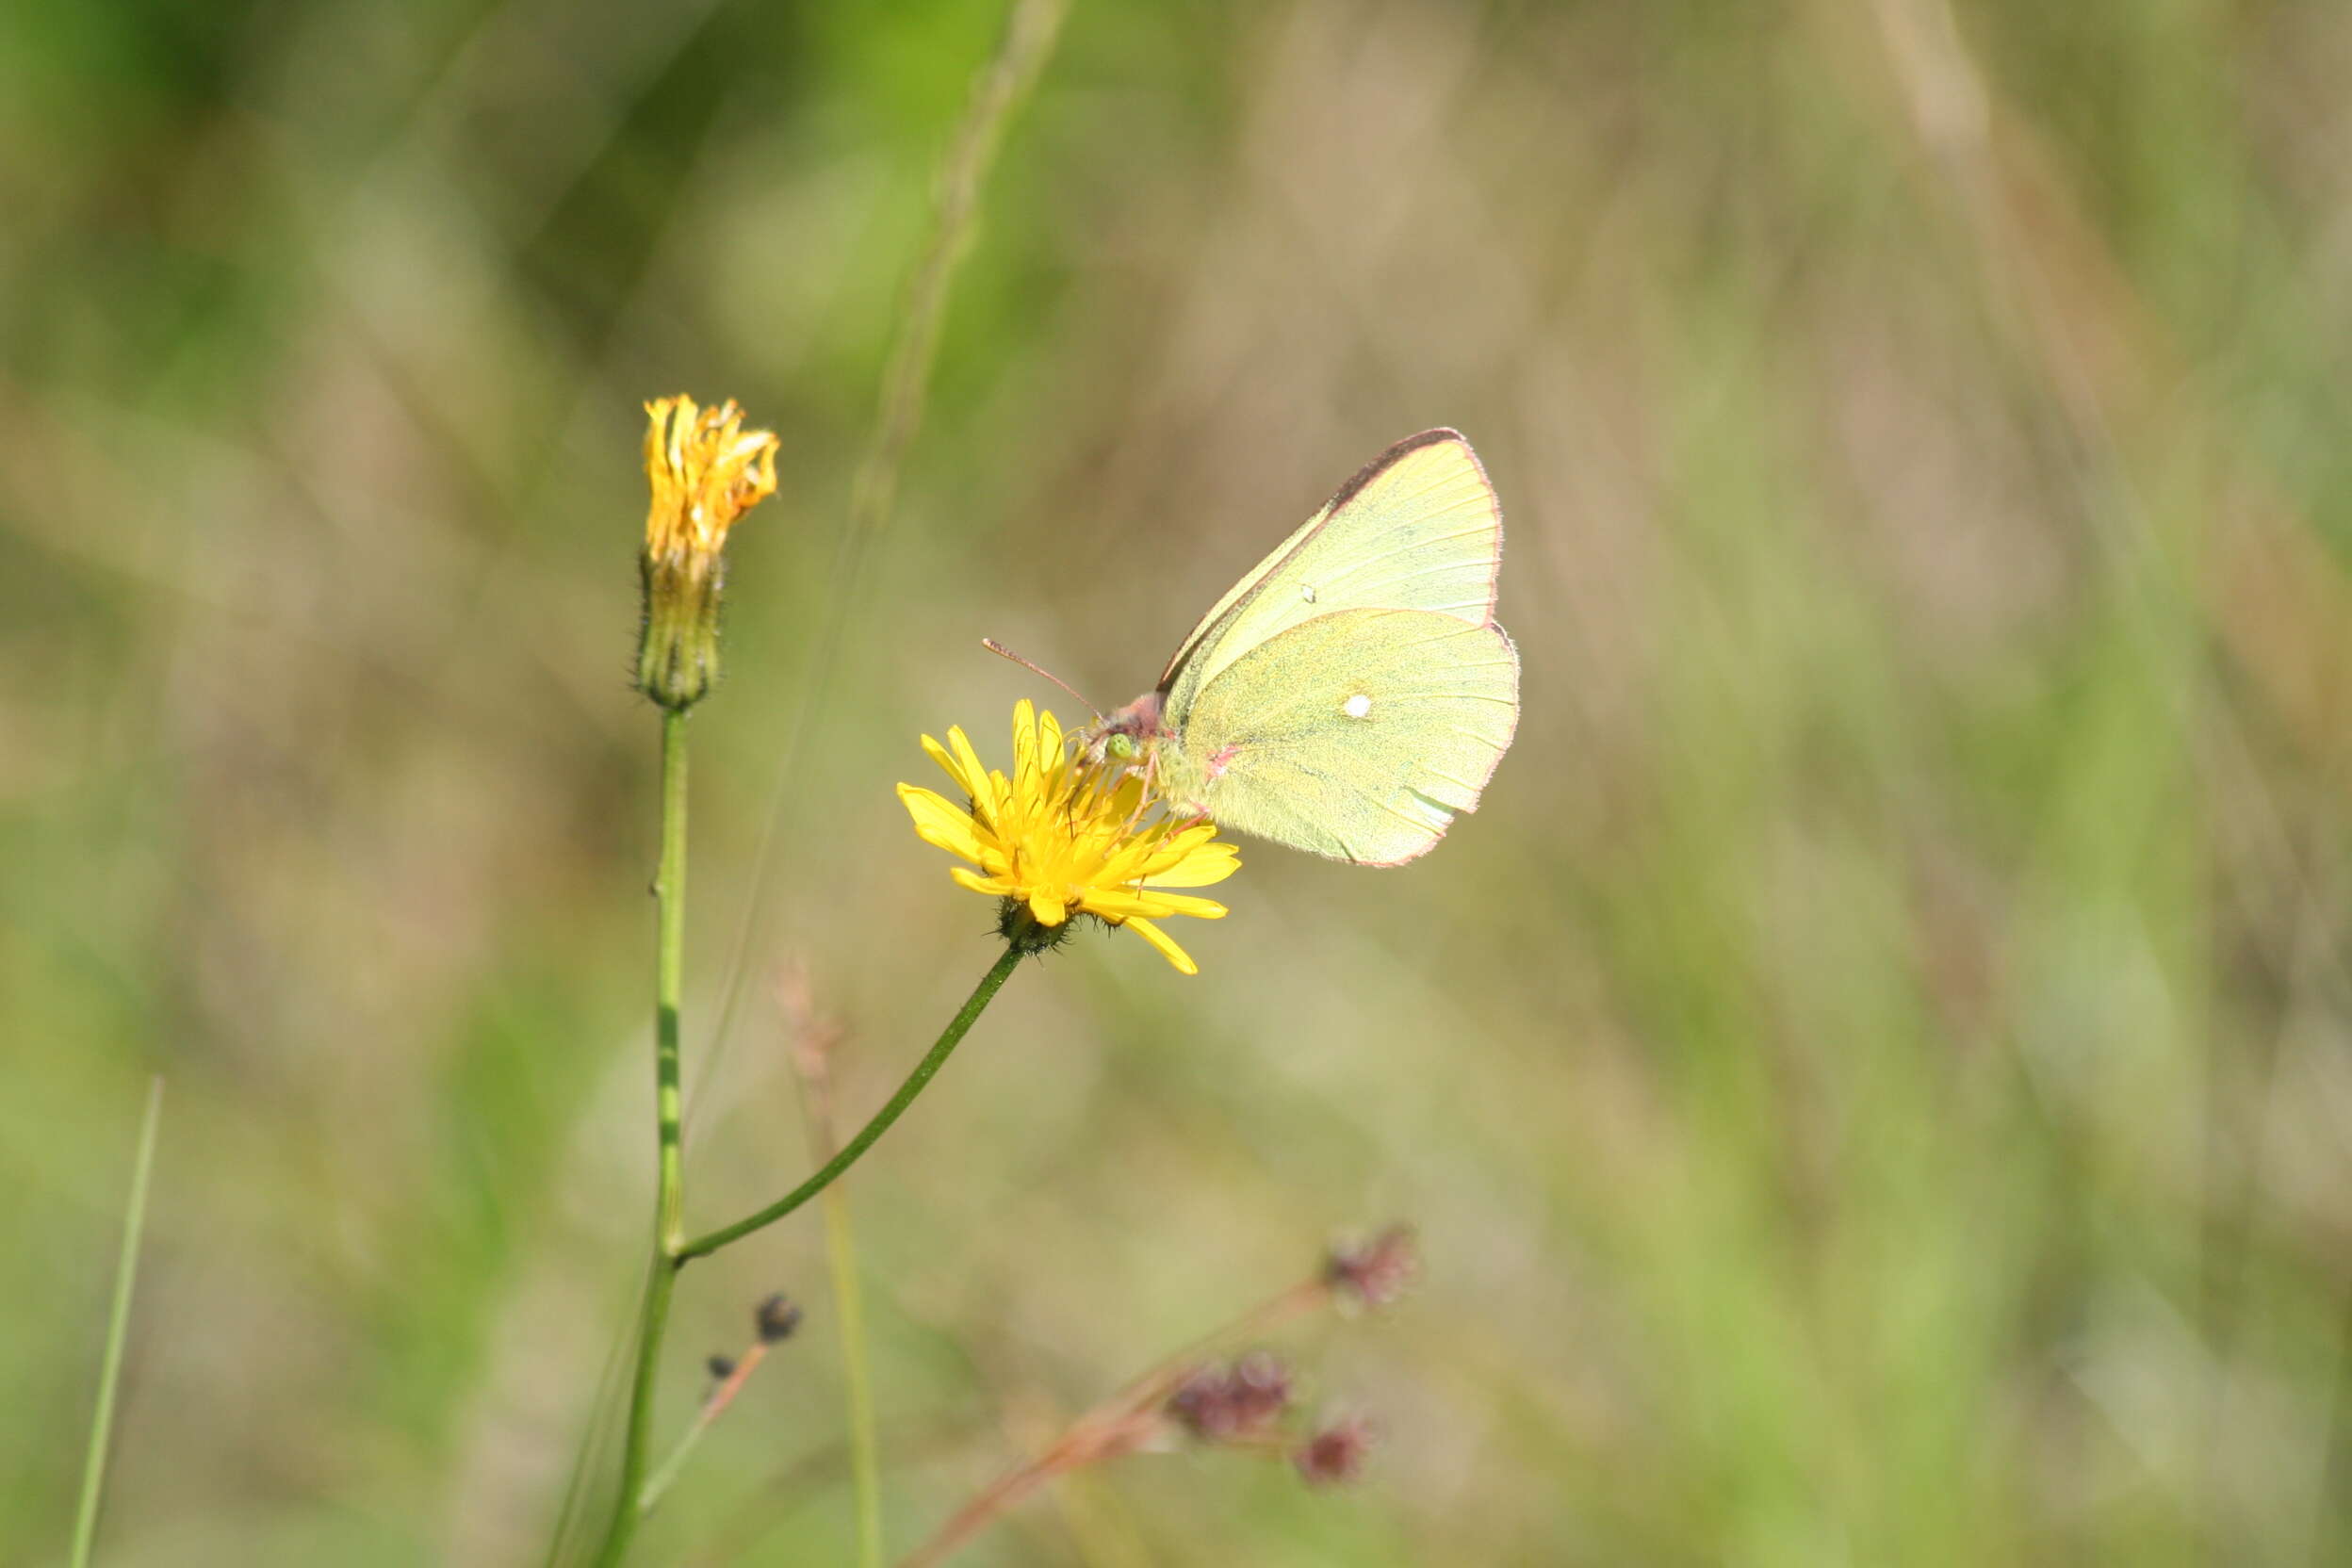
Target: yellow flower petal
x=1025, y=750
x=948, y=764
x=1202, y=868
x=1179, y=904
x=706, y=471
x=940, y=823
x=1119, y=906
x=1167, y=945
x=969, y=771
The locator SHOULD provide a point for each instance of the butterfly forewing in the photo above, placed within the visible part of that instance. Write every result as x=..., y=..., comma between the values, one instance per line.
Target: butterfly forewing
x=1356, y=735
x=1418, y=528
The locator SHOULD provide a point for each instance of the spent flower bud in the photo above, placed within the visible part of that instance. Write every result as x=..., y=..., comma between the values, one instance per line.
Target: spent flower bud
x=706, y=471
x=1374, y=1273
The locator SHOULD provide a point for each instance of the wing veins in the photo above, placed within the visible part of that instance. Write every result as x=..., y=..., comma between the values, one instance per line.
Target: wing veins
x=1449, y=778
x=1433, y=483
x=1356, y=568
x=1422, y=824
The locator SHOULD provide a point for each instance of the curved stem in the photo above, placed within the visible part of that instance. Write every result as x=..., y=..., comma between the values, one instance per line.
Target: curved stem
x=669, y=892
x=916, y=1082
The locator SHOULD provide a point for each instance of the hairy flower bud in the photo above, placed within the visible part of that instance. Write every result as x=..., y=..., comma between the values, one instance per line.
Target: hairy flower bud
x=706, y=471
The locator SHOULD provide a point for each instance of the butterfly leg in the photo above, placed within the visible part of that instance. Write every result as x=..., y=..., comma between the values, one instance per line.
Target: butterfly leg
x=1150, y=772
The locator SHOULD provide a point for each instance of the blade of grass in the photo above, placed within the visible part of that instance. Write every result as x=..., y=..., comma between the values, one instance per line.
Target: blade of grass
x=997, y=90
x=117, y=1323
x=811, y=1056
x=865, y=1463
x=582, y=1500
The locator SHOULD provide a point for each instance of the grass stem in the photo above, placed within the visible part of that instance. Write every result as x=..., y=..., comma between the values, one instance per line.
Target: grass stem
x=999, y=87
x=811, y=1058
x=117, y=1324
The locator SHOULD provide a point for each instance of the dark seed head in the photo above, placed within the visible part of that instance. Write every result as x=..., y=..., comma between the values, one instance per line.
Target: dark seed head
x=776, y=1317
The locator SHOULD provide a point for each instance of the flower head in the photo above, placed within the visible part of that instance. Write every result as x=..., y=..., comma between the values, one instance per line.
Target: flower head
x=1374, y=1273
x=1333, y=1455
x=776, y=1317
x=706, y=471
x=1066, y=835
x=1228, y=1404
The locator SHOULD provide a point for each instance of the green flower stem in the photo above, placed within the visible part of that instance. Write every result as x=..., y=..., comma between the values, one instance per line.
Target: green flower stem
x=669, y=892
x=924, y=1071
x=670, y=980
x=670, y=1253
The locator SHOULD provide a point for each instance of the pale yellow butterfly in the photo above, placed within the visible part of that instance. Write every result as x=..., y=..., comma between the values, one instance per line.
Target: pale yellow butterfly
x=1352, y=693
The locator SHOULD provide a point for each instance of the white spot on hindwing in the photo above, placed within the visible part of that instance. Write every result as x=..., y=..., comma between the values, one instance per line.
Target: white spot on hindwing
x=1357, y=707
x=1306, y=592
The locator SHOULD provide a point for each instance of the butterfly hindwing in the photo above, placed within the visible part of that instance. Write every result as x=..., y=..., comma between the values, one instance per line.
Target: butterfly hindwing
x=1356, y=735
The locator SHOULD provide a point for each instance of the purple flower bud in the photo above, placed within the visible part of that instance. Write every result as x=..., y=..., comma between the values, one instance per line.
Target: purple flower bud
x=1225, y=1404
x=1377, y=1272
x=1335, y=1455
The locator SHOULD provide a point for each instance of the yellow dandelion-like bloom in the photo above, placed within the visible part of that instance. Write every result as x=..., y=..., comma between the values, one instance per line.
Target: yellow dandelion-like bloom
x=1064, y=836
x=706, y=471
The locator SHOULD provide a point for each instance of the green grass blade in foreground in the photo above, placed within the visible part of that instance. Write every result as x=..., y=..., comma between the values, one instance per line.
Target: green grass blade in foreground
x=117, y=1323
x=999, y=87
x=840, y=1248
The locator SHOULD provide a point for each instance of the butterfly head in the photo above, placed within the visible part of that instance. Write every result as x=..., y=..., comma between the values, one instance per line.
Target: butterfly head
x=1128, y=734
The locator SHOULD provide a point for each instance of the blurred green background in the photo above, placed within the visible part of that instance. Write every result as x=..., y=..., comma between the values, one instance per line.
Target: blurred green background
x=1872, y=1084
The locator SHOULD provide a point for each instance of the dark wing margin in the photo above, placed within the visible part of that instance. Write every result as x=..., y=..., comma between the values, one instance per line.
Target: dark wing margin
x=1386, y=461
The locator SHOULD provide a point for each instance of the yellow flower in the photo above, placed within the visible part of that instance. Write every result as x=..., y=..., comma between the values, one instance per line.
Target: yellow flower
x=706, y=471
x=1064, y=836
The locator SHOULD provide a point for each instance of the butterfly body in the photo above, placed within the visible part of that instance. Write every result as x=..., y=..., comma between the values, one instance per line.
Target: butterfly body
x=1353, y=692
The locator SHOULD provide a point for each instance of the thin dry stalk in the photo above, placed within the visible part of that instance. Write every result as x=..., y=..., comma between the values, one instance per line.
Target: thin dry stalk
x=1121, y=1425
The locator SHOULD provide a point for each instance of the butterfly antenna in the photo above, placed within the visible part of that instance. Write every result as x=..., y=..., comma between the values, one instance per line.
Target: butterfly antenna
x=1002, y=652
